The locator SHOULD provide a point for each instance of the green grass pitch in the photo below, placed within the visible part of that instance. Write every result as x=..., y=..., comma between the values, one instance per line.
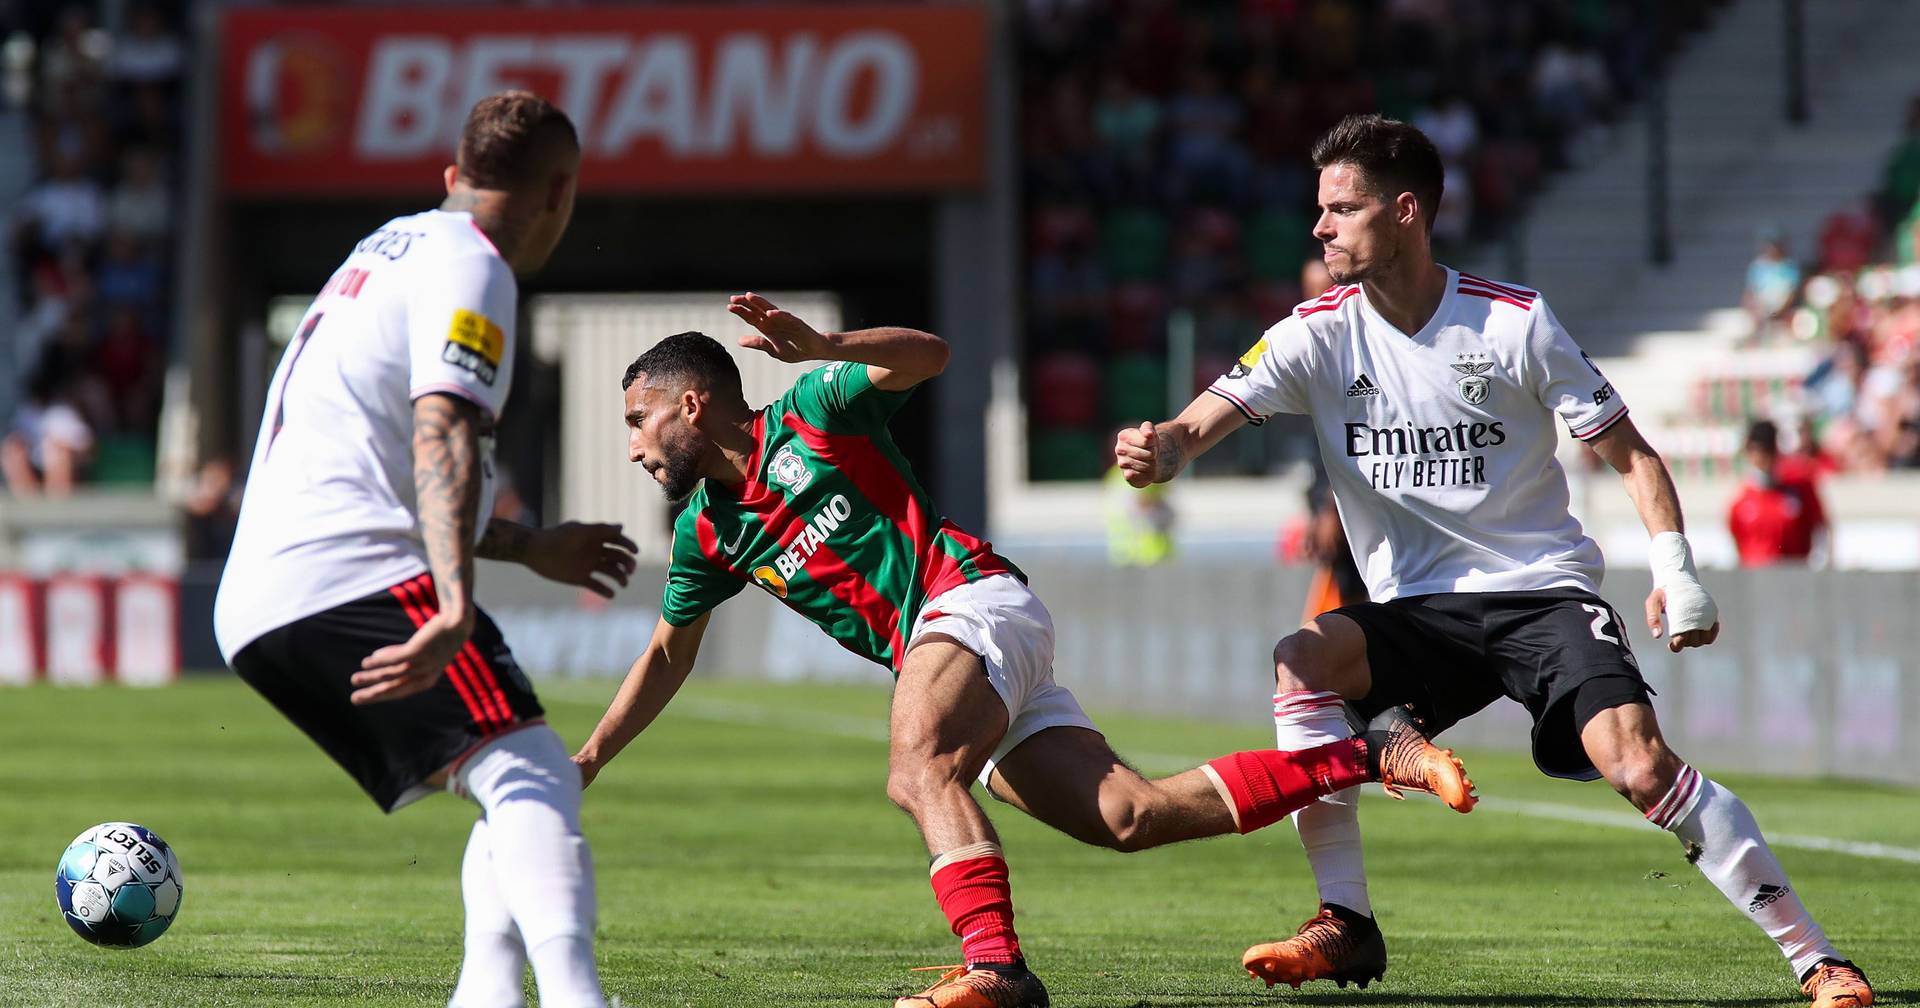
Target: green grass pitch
x=747, y=856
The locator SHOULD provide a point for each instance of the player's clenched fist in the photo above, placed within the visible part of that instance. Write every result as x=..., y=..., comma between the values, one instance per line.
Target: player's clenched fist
x=1138, y=453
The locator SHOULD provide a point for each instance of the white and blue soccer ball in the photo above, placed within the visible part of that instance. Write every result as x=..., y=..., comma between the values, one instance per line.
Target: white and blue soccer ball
x=118, y=884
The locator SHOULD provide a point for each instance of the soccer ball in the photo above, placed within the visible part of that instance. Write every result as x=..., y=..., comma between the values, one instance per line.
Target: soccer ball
x=118, y=884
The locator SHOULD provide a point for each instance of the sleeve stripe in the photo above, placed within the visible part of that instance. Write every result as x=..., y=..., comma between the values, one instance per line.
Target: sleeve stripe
x=1251, y=416
x=459, y=390
x=1603, y=425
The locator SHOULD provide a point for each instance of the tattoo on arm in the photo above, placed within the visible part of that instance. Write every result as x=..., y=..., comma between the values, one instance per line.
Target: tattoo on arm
x=1169, y=457
x=504, y=540
x=446, y=480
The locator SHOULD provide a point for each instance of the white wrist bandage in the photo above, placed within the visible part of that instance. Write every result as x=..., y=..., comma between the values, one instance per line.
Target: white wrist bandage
x=1689, y=607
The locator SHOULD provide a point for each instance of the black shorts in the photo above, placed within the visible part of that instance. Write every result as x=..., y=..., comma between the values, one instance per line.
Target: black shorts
x=391, y=748
x=1560, y=652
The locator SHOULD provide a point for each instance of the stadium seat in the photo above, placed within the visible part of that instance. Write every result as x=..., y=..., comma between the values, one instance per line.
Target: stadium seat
x=1276, y=242
x=1208, y=365
x=1068, y=455
x=1137, y=318
x=1063, y=390
x=124, y=460
x=1136, y=389
x=1133, y=244
x=1056, y=227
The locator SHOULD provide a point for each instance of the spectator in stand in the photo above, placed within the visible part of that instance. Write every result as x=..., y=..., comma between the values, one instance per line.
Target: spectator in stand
x=148, y=53
x=1777, y=516
x=1901, y=186
x=1833, y=386
x=1454, y=128
x=1898, y=428
x=139, y=206
x=1847, y=240
x=1314, y=279
x=62, y=211
x=212, y=510
x=1773, y=285
x=50, y=443
x=1149, y=115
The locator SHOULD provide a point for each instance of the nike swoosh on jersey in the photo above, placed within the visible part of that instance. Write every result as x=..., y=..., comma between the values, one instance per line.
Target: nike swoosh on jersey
x=734, y=546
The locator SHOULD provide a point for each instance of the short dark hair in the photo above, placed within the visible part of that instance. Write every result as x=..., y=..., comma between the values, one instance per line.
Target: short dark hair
x=1394, y=156
x=692, y=357
x=514, y=139
x=1763, y=434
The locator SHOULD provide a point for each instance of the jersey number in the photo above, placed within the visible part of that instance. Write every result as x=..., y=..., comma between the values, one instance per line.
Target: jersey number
x=1601, y=617
x=293, y=357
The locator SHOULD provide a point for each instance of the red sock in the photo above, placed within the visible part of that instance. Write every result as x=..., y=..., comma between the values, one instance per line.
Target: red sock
x=975, y=896
x=1268, y=785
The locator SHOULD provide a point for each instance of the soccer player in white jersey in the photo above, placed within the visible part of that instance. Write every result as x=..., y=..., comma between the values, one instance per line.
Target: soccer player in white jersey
x=1433, y=395
x=347, y=600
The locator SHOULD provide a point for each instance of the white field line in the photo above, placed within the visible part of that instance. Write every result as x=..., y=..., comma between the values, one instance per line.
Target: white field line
x=875, y=730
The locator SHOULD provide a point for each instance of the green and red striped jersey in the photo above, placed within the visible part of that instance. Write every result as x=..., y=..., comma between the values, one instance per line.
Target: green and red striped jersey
x=830, y=521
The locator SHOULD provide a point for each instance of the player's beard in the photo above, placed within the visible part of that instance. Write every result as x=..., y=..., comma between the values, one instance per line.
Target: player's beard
x=679, y=471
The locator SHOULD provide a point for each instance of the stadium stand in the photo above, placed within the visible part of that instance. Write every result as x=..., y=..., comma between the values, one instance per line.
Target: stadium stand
x=1835, y=361
x=1165, y=159
x=89, y=238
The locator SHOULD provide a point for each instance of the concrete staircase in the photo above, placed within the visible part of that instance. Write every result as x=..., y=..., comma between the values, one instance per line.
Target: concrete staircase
x=1669, y=336
x=1736, y=164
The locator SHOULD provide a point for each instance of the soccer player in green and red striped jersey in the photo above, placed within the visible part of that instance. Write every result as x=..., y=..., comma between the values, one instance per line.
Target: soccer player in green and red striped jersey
x=810, y=499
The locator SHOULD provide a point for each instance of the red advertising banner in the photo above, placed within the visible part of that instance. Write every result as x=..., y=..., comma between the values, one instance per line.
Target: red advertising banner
x=808, y=98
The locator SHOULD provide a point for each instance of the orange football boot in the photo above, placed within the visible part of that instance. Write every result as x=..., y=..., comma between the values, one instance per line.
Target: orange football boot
x=1336, y=944
x=1407, y=760
x=1836, y=983
x=979, y=987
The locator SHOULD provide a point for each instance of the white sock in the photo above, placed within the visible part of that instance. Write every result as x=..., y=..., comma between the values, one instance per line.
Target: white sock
x=491, y=974
x=1329, y=828
x=1734, y=856
x=531, y=793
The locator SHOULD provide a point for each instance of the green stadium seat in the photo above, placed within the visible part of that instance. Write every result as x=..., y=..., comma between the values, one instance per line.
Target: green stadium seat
x=123, y=460
x=1067, y=455
x=1136, y=389
x=1276, y=241
x=1133, y=244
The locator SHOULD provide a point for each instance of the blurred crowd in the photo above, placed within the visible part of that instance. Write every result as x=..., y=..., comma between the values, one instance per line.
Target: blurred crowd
x=1856, y=302
x=1165, y=157
x=88, y=241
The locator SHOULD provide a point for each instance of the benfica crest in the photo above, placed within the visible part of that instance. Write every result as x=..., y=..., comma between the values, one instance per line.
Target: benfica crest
x=1475, y=384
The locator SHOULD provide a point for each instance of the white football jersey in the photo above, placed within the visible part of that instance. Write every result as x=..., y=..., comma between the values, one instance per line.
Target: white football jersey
x=1440, y=445
x=425, y=304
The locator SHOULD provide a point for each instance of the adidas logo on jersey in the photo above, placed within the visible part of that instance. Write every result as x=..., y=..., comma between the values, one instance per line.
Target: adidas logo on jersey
x=1362, y=386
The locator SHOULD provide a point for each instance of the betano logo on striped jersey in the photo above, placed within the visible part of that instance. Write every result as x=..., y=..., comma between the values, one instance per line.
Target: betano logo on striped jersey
x=794, y=559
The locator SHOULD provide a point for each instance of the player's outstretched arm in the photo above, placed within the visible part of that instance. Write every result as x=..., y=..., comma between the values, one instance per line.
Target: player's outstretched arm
x=1156, y=452
x=897, y=358
x=1690, y=616
x=446, y=480
x=574, y=553
x=652, y=681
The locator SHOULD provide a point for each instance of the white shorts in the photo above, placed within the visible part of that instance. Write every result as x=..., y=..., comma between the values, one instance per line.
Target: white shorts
x=1000, y=619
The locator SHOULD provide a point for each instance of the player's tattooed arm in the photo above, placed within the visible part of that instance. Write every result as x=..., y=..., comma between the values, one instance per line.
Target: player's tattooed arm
x=1155, y=453
x=505, y=541
x=446, y=481
x=592, y=556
